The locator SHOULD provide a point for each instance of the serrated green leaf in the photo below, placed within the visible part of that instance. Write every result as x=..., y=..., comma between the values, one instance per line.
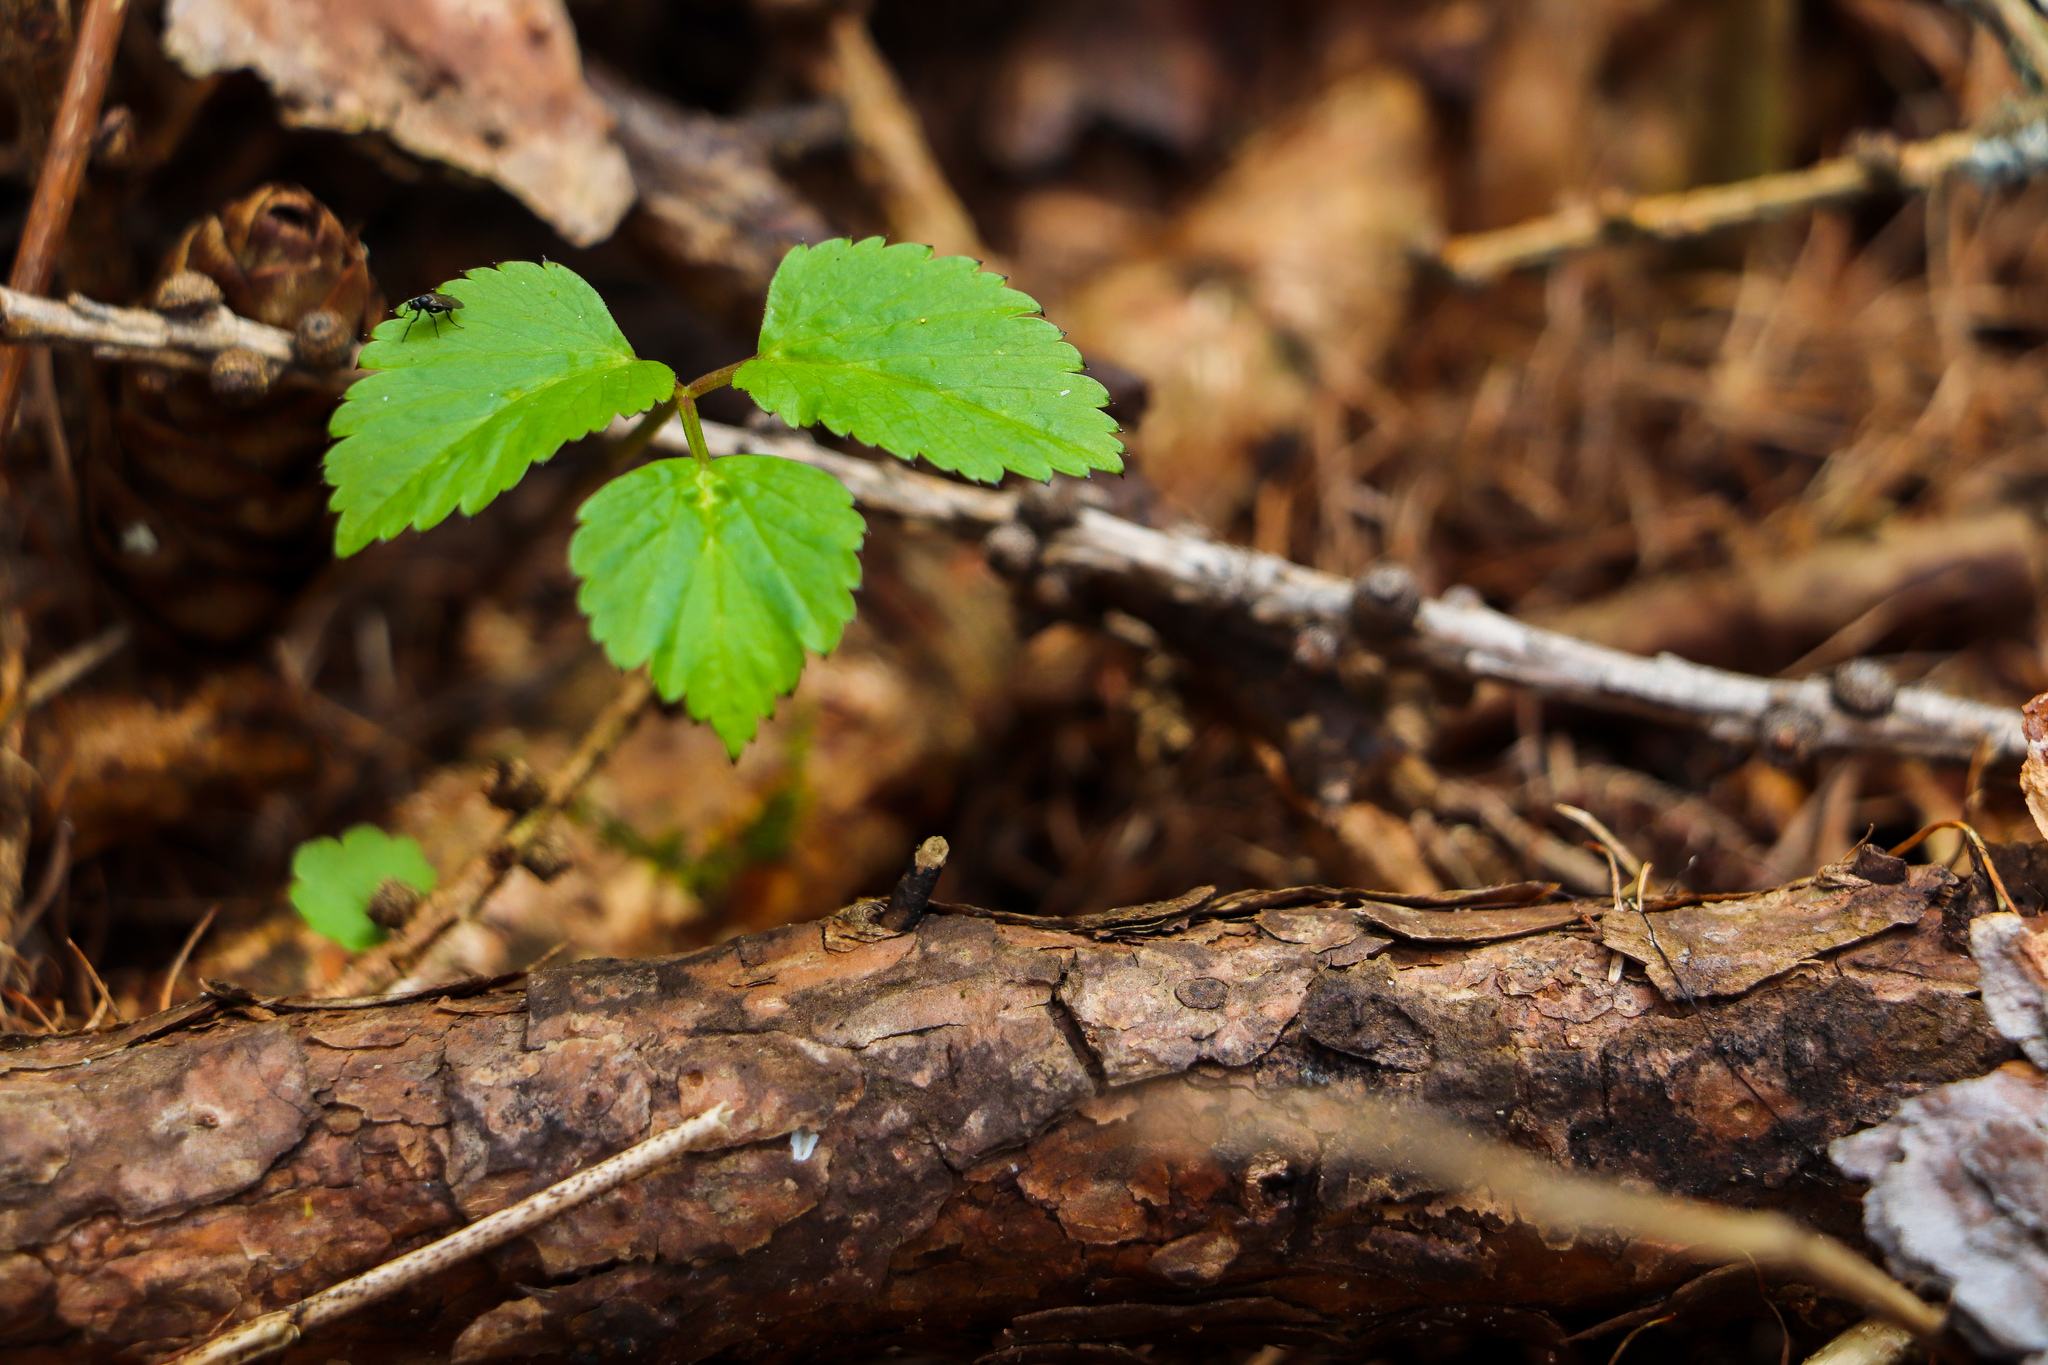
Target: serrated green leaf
x=463, y=404
x=719, y=576
x=926, y=356
x=333, y=880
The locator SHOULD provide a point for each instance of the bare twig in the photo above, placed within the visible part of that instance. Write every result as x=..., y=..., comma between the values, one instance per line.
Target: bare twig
x=274, y=1332
x=1877, y=167
x=466, y=892
x=137, y=334
x=1456, y=632
x=78, y=114
x=893, y=152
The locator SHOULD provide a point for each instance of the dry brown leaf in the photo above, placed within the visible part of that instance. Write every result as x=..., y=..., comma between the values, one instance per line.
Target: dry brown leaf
x=1726, y=947
x=2034, y=771
x=496, y=90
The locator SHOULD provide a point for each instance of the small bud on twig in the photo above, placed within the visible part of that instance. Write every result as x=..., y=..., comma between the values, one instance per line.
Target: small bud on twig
x=1385, y=600
x=1864, y=687
x=186, y=294
x=1011, y=548
x=392, y=903
x=1786, y=734
x=241, y=373
x=1050, y=506
x=514, y=786
x=547, y=857
x=321, y=340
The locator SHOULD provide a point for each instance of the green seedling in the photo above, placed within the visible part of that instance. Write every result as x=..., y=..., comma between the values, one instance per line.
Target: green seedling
x=720, y=575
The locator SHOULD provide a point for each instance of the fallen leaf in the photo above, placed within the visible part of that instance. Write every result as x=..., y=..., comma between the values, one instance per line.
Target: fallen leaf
x=1726, y=947
x=496, y=90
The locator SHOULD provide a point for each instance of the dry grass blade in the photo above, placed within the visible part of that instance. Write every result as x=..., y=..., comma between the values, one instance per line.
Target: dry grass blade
x=1567, y=1203
x=1594, y=826
x=1978, y=850
x=184, y=956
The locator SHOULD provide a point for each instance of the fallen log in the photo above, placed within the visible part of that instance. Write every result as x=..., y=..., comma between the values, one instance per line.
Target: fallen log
x=987, y=1133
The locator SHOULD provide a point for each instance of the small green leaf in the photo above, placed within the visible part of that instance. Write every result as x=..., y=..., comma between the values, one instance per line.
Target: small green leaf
x=926, y=356
x=333, y=880
x=462, y=404
x=719, y=576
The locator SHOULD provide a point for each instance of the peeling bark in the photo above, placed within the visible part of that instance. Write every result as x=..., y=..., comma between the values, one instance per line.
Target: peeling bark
x=979, y=1134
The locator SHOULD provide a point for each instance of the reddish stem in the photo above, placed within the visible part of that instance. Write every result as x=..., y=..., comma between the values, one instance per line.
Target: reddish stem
x=78, y=113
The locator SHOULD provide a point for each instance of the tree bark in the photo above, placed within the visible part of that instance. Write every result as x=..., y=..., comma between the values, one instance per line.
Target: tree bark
x=982, y=1133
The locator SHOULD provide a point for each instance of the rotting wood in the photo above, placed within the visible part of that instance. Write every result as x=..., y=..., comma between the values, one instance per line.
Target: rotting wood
x=980, y=1134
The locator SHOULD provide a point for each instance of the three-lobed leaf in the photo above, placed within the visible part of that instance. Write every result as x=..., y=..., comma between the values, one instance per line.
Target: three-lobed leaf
x=333, y=880
x=719, y=575
x=461, y=405
x=930, y=356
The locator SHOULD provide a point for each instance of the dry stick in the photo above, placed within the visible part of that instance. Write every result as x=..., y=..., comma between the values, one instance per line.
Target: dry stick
x=1455, y=632
x=893, y=152
x=137, y=334
x=1566, y=1202
x=486, y=870
x=274, y=1332
x=1477, y=257
x=78, y=114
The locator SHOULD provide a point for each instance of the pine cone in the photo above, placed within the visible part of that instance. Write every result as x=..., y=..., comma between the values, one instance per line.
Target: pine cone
x=206, y=504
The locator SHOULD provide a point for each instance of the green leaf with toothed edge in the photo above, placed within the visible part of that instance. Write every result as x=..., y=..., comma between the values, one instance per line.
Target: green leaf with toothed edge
x=930, y=356
x=719, y=576
x=333, y=880
x=461, y=405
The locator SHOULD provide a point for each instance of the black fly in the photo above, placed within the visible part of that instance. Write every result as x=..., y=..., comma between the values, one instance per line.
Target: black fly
x=433, y=306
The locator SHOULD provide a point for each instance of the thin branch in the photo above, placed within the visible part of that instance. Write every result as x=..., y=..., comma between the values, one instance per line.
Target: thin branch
x=1878, y=166
x=275, y=1332
x=466, y=892
x=1456, y=632
x=78, y=115
x=137, y=334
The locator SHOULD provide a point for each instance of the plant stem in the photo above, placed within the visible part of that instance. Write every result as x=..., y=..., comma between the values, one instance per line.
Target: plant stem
x=693, y=428
x=705, y=383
